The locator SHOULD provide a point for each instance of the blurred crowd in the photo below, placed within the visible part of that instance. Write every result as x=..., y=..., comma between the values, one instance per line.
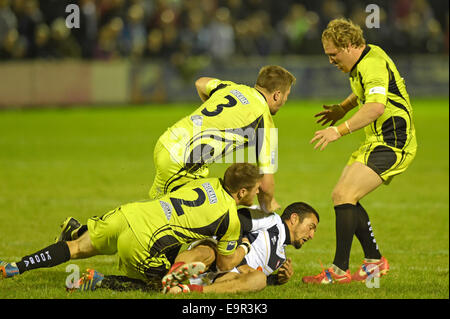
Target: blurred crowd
x=174, y=29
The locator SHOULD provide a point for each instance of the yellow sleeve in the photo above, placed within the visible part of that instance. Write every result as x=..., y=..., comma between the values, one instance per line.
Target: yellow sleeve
x=228, y=243
x=211, y=85
x=375, y=80
x=267, y=146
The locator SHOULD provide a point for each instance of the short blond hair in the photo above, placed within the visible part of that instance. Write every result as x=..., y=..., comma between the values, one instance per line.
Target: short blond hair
x=274, y=77
x=342, y=33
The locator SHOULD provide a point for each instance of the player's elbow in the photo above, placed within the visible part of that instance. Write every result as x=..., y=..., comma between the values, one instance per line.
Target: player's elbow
x=377, y=109
x=260, y=280
x=256, y=281
x=267, y=184
x=199, y=82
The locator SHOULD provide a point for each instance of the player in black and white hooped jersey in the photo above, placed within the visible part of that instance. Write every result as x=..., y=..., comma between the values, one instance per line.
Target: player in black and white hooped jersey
x=265, y=262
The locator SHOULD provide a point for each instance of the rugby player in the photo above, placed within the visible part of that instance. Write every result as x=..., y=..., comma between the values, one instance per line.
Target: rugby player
x=265, y=263
x=386, y=115
x=233, y=116
x=148, y=235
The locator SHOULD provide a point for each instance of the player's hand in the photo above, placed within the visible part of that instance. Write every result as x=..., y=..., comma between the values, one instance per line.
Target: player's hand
x=332, y=113
x=330, y=134
x=285, y=272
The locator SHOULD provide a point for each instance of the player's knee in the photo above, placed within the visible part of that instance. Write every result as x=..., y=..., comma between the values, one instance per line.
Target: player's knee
x=341, y=196
x=81, y=247
x=208, y=254
x=337, y=195
x=74, y=248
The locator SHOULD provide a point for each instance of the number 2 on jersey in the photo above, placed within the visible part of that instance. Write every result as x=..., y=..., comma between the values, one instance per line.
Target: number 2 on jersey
x=178, y=202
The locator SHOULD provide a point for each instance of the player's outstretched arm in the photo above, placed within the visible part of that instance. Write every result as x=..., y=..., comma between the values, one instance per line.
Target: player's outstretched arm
x=247, y=280
x=367, y=114
x=228, y=262
x=266, y=198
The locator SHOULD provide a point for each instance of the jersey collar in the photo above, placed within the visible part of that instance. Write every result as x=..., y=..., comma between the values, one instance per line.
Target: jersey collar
x=363, y=54
x=223, y=186
x=261, y=94
x=288, y=234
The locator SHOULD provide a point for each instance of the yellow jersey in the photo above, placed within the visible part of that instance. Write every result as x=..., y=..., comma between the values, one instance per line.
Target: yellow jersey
x=200, y=209
x=234, y=117
x=375, y=78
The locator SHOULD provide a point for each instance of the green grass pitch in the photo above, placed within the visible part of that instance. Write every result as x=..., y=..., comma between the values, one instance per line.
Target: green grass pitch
x=82, y=162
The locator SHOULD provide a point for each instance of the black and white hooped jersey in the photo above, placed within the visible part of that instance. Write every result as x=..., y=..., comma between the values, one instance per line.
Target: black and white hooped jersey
x=268, y=236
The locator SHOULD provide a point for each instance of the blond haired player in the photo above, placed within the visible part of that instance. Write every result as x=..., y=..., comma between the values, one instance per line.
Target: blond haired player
x=385, y=113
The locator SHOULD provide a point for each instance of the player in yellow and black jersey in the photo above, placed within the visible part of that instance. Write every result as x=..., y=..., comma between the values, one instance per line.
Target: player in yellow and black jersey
x=233, y=116
x=386, y=114
x=148, y=235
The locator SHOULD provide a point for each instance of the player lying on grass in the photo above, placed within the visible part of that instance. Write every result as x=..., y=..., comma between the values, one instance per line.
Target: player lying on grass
x=148, y=235
x=233, y=116
x=268, y=234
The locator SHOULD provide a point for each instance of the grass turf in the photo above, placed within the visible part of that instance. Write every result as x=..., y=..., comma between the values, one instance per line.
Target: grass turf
x=85, y=161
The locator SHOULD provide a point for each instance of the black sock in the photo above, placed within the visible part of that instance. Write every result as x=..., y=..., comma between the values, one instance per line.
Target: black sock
x=50, y=256
x=122, y=283
x=365, y=235
x=346, y=222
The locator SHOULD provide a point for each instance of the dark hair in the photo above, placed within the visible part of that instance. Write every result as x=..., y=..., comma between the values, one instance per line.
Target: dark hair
x=241, y=175
x=301, y=209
